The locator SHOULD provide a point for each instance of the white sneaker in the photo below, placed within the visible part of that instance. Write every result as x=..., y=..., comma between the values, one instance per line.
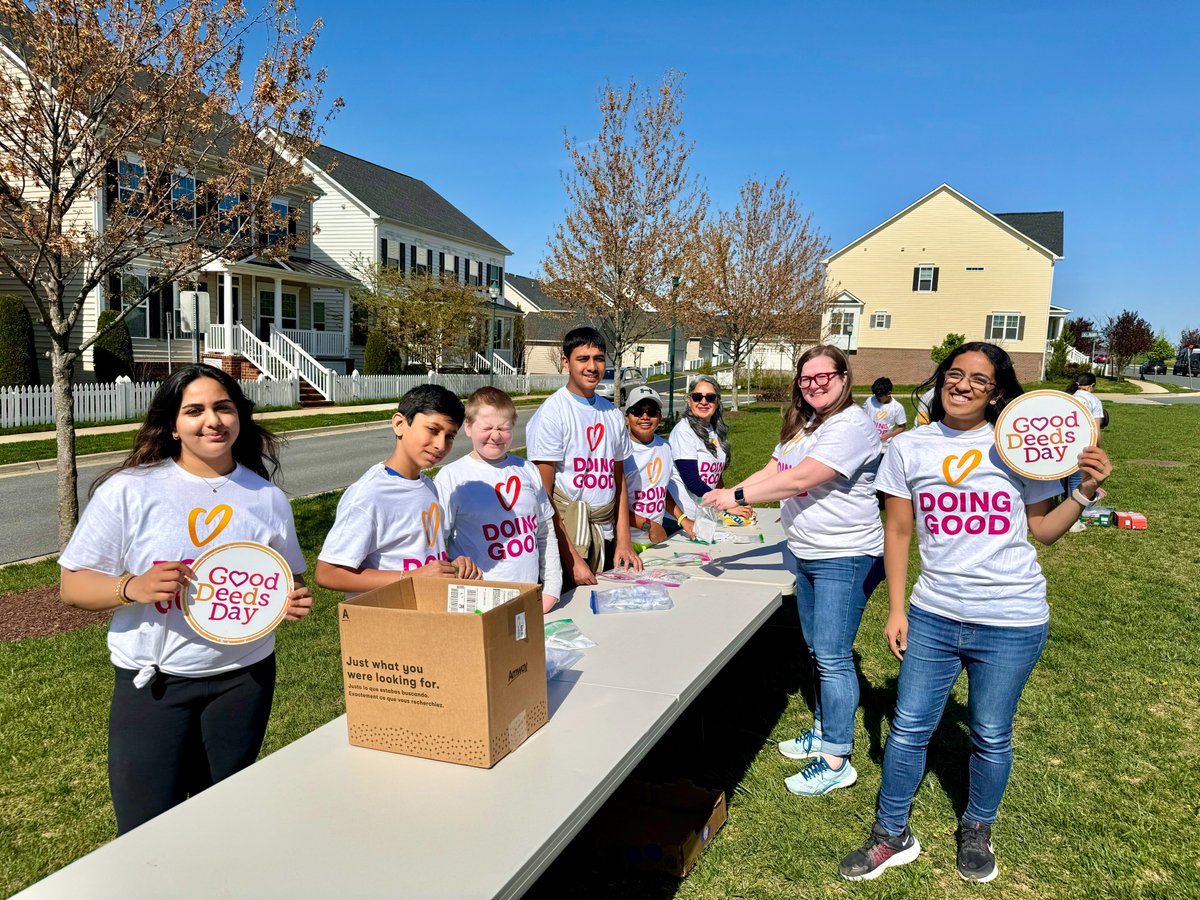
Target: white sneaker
x=806, y=746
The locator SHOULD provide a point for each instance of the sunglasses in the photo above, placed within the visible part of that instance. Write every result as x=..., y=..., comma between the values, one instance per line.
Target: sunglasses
x=647, y=410
x=703, y=398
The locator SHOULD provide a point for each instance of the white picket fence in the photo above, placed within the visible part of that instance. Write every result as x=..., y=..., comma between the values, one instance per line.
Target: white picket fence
x=392, y=387
x=34, y=404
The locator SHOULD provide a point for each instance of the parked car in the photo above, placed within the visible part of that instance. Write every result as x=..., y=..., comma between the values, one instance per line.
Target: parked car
x=1101, y=358
x=1153, y=366
x=1187, y=362
x=630, y=378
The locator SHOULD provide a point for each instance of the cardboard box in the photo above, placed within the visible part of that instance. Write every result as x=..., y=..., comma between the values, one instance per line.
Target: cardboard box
x=465, y=687
x=658, y=827
x=1098, y=515
x=1131, y=520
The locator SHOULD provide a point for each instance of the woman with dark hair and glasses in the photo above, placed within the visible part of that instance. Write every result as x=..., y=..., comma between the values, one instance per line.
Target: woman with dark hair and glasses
x=700, y=445
x=823, y=469
x=979, y=603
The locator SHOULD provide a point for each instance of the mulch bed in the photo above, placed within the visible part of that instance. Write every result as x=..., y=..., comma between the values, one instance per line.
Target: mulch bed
x=38, y=612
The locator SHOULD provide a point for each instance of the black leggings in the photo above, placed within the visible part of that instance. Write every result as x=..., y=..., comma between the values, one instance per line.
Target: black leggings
x=177, y=736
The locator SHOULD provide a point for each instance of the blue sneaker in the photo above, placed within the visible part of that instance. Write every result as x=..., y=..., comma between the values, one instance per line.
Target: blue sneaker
x=817, y=778
x=806, y=746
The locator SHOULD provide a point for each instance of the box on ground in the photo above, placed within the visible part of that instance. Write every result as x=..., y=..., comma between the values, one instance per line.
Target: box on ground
x=1099, y=515
x=1131, y=520
x=658, y=827
x=465, y=687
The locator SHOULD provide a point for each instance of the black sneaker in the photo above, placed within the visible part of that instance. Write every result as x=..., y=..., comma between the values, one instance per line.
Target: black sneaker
x=976, y=859
x=881, y=851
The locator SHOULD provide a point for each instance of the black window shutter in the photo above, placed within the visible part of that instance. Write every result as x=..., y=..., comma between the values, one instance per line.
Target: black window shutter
x=383, y=248
x=113, y=300
x=456, y=275
x=412, y=255
x=887, y=321
x=154, y=308
x=441, y=263
x=500, y=278
x=987, y=329
x=935, y=273
x=110, y=183
x=916, y=277
x=1021, y=329
x=489, y=275
x=466, y=270
x=402, y=259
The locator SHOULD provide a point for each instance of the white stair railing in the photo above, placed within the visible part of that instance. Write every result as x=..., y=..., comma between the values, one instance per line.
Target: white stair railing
x=323, y=379
x=264, y=358
x=502, y=367
x=481, y=360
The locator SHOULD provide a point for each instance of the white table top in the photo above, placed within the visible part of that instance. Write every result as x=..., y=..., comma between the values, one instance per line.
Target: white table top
x=675, y=651
x=759, y=562
x=321, y=818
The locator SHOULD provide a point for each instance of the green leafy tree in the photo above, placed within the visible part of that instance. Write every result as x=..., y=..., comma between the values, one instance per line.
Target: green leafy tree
x=519, y=343
x=1162, y=348
x=113, y=350
x=951, y=343
x=18, y=360
x=1073, y=330
x=378, y=356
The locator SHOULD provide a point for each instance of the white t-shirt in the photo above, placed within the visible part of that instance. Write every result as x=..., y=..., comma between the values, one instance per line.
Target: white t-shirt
x=648, y=478
x=499, y=517
x=1092, y=402
x=585, y=439
x=388, y=522
x=924, y=405
x=841, y=516
x=886, y=416
x=162, y=513
x=977, y=564
x=709, y=458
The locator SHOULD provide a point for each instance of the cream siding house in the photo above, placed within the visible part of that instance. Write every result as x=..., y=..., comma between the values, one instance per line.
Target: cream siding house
x=369, y=214
x=945, y=265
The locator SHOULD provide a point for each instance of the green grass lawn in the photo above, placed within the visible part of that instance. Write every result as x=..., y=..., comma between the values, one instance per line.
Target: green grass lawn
x=1105, y=793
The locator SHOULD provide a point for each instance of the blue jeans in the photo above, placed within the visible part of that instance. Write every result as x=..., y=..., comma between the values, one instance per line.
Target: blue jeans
x=998, y=660
x=831, y=595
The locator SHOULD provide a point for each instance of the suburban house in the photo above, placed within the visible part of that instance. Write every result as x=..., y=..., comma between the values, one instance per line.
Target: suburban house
x=548, y=319
x=945, y=265
x=367, y=214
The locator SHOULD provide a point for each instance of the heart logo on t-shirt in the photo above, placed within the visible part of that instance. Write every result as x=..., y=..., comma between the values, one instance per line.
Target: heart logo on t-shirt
x=431, y=521
x=595, y=434
x=507, y=492
x=654, y=470
x=962, y=466
x=223, y=512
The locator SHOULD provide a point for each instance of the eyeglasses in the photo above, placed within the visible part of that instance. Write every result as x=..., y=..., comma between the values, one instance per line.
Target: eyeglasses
x=646, y=410
x=978, y=382
x=821, y=379
x=703, y=398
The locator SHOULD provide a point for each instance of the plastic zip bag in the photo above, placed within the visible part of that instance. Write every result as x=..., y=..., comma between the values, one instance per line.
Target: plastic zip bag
x=634, y=598
x=564, y=634
x=558, y=659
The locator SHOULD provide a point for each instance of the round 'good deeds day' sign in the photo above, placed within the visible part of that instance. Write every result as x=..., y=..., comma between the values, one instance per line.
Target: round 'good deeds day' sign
x=240, y=593
x=1040, y=434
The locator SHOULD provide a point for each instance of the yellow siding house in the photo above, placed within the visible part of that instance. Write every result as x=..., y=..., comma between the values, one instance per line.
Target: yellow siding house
x=945, y=264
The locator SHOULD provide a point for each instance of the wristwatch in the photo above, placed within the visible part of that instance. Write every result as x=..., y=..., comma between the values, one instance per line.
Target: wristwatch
x=739, y=496
x=1083, y=501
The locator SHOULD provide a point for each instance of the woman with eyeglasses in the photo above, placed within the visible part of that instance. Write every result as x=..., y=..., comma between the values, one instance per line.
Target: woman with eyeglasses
x=700, y=446
x=823, y=469
x=979, y=603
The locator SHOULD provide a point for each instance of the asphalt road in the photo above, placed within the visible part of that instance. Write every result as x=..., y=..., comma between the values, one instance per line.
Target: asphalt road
x=310, y=464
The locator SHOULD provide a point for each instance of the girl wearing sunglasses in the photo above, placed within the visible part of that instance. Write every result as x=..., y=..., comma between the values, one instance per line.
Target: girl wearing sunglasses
x=700, y=445
x=823, y=469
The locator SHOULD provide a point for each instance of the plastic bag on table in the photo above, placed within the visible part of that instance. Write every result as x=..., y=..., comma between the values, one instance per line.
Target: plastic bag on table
x=646, y=576
x=558, y=659
x=564, y=634
x=634, y=598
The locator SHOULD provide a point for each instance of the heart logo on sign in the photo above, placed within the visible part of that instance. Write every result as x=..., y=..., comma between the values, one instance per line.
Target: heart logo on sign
x=1039, y=423
x=222, y=511
x=431, y=521
x=595, y=434
x=508, y=491
x=963, y=465
x=654, y=470
x=237, y=579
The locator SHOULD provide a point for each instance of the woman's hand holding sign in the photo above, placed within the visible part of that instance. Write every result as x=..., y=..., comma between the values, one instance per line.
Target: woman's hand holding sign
x=1095, y=467
x=300, y=602
x=159, y=584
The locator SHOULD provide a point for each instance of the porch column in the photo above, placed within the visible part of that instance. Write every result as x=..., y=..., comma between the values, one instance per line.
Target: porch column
x=346, y=321
x=279, y=304
x=227, y=303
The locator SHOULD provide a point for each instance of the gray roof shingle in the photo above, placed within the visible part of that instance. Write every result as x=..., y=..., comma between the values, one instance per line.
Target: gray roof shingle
x=402, y=198
x=1046, y=228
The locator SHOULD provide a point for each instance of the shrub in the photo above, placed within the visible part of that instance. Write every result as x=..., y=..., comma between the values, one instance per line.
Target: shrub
x=1070, y=370
x=375, y=354
x=1056, y=367
x=951, y=343
x=774, y=387
x=113, y=350
x=18, y=360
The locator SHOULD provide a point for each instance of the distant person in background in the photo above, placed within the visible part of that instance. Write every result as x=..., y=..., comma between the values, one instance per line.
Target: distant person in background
x=700, y=445
x=649, y=475
x=885, y=411
x=924, y=401
x=1083, y=389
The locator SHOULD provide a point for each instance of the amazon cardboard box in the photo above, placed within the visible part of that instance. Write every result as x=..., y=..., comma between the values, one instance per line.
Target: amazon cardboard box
x=450, y=670
x=658, y=827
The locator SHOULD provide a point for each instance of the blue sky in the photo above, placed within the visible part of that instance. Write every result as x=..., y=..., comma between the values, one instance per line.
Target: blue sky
x=1087, y=108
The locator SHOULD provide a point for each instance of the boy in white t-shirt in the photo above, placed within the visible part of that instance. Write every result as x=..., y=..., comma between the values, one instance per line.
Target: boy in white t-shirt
x=389, y=523
x=579, y=443
x=885, y=411
x=497, y=511
x=649, y=476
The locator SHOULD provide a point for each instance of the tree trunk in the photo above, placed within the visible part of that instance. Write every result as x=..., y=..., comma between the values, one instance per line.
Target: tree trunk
x=617, y=358
x=61, y=364
x=733, y=404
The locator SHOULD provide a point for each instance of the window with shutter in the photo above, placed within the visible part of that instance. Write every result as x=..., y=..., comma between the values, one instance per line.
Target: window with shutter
x=925, y=278
x=1005, y=327
x=881, y=320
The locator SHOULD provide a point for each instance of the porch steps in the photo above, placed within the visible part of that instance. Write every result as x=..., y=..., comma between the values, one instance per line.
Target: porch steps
x=310, y=397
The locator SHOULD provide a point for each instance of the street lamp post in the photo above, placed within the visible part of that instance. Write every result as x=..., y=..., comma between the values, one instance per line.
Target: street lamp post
x=671, y=383
x=494, y=293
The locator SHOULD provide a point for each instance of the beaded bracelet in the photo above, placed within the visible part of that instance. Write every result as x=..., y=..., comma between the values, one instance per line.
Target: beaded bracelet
x=121, y=585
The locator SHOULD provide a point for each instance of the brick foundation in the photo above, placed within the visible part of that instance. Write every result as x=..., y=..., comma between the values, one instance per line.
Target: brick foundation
x=914, y=366
x=237, y=367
